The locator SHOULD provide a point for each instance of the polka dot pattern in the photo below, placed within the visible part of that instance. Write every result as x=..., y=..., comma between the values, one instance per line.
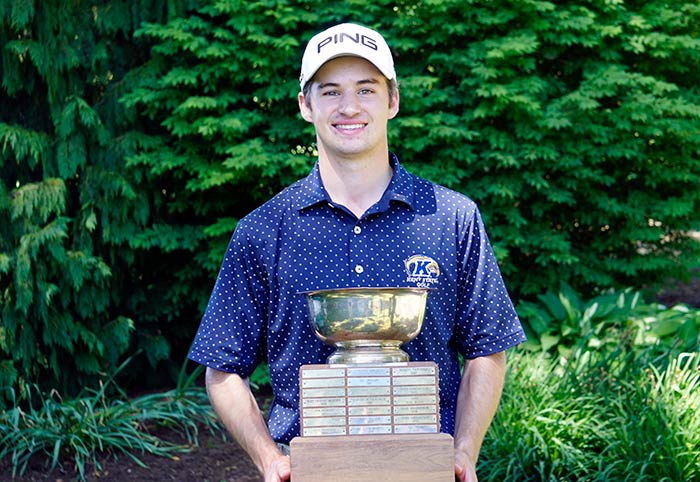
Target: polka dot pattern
x=300, y=240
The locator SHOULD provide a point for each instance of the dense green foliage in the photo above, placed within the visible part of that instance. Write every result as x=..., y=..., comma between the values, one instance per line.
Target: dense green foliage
x=606, y=388
x=73, y=288
x=576, y=127
x=134, y=136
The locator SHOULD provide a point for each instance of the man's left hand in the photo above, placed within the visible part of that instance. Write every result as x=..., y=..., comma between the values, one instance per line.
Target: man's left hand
x=465, y=470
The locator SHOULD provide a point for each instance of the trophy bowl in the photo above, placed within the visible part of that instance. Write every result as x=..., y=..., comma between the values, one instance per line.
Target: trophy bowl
x=367, y=325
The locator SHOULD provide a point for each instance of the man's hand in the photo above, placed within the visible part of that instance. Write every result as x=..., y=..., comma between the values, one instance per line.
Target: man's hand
x=280, y=470
x=465, y=469
x=236, y=407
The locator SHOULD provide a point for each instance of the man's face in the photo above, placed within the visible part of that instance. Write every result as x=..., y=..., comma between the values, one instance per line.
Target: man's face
x=349, y=107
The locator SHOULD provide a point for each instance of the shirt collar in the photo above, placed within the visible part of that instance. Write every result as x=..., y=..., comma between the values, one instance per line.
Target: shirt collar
x=400, y=189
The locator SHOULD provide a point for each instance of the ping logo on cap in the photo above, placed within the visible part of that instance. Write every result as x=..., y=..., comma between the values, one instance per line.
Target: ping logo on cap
x=359, y=39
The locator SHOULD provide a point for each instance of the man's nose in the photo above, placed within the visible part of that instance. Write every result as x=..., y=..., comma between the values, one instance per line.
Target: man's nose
x=349, y=104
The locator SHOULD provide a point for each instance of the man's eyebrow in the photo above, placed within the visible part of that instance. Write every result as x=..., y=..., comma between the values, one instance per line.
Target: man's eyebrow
x=327, y=84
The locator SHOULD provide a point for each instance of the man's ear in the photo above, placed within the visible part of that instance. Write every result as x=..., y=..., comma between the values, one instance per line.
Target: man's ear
x=303, y=107
x=394, y=104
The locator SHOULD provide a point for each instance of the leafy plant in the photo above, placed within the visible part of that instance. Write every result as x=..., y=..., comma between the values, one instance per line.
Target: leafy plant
x=544, y=429
x=675, y=329
x=81, y=430
x=260, y=378
x=561, y=322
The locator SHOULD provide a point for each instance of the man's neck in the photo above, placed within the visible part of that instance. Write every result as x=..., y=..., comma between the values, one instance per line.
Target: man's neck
x=356, y=184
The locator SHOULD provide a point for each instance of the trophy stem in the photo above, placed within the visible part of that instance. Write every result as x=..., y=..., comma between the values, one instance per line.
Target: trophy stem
x=367, y=351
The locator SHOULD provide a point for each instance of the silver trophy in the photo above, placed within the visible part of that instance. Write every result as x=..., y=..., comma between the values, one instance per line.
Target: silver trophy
x=372, y=413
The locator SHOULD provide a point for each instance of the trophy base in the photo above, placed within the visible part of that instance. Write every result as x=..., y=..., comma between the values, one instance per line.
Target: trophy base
x=373, y=458
x=355, y=352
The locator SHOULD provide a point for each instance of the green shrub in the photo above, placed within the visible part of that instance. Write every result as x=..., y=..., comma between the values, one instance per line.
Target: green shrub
x=543, y=430
x=75, y=296
x=605, y=389
x=604, y=416
x=560, y=119
x=557, y=323
x=657, y=428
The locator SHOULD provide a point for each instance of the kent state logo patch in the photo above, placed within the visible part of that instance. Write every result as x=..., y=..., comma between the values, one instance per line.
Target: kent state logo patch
x=422, y=270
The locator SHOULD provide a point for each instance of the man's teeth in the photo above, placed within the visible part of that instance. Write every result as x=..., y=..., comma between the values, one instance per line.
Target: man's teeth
x=350, y=126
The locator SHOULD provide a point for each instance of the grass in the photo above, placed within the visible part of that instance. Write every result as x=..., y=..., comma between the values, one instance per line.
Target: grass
x=605, y=416
x=660, y=428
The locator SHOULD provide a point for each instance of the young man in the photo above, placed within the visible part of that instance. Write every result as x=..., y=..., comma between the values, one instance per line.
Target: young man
x=358, y=219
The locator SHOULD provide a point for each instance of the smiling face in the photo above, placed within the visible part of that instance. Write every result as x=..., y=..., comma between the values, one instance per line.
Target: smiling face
x=349, y=105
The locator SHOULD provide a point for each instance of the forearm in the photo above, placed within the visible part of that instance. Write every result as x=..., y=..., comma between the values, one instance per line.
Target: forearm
x=236, y=407
x=479, y=394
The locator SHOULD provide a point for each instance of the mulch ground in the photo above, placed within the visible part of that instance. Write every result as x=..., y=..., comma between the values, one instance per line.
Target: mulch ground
x=213, y=459
x=686, y=293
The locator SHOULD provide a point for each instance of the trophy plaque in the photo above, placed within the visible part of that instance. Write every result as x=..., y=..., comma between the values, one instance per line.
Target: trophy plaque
x=369, y=414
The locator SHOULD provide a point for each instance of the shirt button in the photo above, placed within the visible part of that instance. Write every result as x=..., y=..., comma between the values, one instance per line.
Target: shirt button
x=357, y=230
x=359, y=269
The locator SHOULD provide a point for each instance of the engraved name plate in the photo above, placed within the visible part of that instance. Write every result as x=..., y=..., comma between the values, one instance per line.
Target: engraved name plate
x=413, y=409
x=325, y=412
x=415, y=419
x=324, y=373
x=323, y=402
x=417, y=390
x=369, y=401
x=414, y=429
x=324, y=421
x=369, y=382
x=378, y=410
x=324, y=431
x=323, y=382
x=369, y=391
x=415, y=400
x=377, y=420
x=371, y=430
x=414, y=370
x=369, y=372
x=399, y=381
x=323, y=392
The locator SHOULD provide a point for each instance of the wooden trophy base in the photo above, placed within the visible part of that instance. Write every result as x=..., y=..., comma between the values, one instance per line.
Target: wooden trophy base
x=373, y=458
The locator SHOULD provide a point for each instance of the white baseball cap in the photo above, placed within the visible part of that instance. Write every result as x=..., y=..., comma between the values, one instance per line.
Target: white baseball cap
x=343, y=40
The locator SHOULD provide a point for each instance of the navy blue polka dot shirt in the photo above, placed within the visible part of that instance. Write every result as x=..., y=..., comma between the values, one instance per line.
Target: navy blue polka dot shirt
x=418, y=235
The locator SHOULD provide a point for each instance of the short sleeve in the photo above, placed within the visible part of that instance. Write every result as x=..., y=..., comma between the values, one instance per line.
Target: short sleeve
x=486, y=318
x=231, y=334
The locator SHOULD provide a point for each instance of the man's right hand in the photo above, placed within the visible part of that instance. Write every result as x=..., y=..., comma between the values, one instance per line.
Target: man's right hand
x=236, y=407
